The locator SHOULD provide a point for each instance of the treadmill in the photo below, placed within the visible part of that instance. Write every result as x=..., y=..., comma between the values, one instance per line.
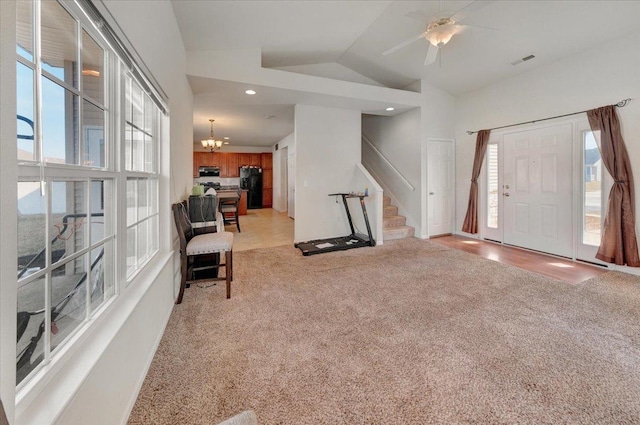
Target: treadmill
x=341, y=243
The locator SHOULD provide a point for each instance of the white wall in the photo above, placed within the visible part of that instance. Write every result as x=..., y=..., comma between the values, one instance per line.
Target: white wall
x=332, y=70
x=327, y=150
x=99, y=382
x=397, y=138
x=600, y=76
x=279, y=195
x=400, y=139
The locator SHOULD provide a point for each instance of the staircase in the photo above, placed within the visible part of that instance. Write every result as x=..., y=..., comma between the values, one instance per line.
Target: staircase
x=394, y=225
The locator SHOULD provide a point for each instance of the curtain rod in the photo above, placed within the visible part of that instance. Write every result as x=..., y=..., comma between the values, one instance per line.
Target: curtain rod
x=620, y=104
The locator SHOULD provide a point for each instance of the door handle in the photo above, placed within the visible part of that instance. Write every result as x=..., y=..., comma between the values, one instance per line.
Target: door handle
x=506, y=194
x=431, y=193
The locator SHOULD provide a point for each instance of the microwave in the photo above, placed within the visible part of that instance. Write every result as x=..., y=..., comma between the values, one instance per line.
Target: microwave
x=209, y=171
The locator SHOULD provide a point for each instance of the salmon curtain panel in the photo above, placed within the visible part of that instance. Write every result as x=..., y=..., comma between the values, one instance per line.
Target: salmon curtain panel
x=618, y=243
x=470, y=224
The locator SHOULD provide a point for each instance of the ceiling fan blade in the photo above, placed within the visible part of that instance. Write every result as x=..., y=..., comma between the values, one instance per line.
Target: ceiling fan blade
x=471, y=8
x=401, y=45
x=419, y=15
x=479, y=26
x=432, y=54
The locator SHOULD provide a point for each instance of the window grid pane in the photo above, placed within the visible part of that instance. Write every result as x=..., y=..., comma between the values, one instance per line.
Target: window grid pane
x=32, y=236
x=68, y=218
x=26, y=113
x=59, y=124
x=92, y=69
x=93, y=135
x=102, y=285
x=492, y=186
x=592, y=194
x=59, y=42
x=68, y=299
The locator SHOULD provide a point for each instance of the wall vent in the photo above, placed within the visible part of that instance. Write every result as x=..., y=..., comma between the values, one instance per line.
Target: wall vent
x=524, y=59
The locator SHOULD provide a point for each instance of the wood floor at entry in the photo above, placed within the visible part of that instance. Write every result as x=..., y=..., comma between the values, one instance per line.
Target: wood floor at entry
x=547, y=265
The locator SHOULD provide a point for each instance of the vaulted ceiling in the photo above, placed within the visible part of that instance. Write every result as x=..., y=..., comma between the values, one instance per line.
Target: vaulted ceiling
x=346, y=40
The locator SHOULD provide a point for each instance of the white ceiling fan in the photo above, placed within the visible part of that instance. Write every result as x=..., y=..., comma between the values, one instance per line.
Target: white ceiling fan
x=440, y=28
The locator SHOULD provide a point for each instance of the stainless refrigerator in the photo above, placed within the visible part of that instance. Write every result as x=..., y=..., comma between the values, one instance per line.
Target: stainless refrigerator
x=251, y=181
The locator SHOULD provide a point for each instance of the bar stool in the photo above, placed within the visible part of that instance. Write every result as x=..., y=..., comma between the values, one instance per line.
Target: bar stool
x=194, y=248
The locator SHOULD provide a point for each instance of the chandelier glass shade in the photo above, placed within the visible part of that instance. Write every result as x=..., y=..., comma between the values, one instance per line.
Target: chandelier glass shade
x=211, y=143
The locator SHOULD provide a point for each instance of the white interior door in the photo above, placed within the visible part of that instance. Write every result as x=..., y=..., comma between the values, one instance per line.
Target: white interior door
x=537, y=189
x=441, y=188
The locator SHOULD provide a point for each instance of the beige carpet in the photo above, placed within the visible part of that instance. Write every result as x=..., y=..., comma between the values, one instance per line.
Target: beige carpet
x=410, y=332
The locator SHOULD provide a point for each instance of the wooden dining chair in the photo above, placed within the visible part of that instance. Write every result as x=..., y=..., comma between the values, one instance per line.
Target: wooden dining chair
x=230, y=210
x=196, y=250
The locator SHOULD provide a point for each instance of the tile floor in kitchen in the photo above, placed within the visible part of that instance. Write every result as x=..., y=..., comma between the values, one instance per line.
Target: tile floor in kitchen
x=262, y=228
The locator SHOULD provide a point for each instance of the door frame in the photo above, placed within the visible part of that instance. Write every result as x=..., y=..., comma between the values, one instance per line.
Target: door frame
x=284, y=179
x=578, y=125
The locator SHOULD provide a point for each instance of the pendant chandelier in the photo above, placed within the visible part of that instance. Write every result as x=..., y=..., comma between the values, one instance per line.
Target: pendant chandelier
x=211, y=143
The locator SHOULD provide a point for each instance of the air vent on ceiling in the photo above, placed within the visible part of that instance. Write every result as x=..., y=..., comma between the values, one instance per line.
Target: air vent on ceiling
x=524, y=59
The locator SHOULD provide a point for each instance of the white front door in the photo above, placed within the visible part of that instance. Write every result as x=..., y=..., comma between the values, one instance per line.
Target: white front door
x=537, y=189
x=441, y=189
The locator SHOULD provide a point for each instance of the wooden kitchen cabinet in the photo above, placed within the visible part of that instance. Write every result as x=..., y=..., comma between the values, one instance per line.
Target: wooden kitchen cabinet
x=244, y=159
x=267, y=179
x=255, y=159
x=267, y=198
x=230, y=162
x=232, y=169
x=204, y=159
x=267, y=161
x=267, y=188
x=215, y=159
x=197, y=162
x=242, y=207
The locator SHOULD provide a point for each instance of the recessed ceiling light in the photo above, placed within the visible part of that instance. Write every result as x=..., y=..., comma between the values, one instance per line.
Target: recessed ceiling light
x=390, y=109
x=226, y=143
x=251, y=92
x=226, y=138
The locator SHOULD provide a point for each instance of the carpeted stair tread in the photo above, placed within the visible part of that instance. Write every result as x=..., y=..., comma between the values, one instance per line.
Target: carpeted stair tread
x=386, y=201
x=398, y=232
x=394, y=221
x=389, y=211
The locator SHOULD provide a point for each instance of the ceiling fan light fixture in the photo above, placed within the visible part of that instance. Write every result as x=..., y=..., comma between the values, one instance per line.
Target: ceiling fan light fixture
x=441, y=35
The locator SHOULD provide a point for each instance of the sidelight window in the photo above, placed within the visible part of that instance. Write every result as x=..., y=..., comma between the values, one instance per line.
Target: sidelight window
x=593, y=174
x=493, y=189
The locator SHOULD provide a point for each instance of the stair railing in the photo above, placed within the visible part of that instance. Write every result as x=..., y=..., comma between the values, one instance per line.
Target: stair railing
x=388, y=163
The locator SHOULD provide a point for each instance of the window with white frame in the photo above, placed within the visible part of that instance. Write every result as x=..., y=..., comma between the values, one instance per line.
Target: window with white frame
x=141, y=164
x=77, y=148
